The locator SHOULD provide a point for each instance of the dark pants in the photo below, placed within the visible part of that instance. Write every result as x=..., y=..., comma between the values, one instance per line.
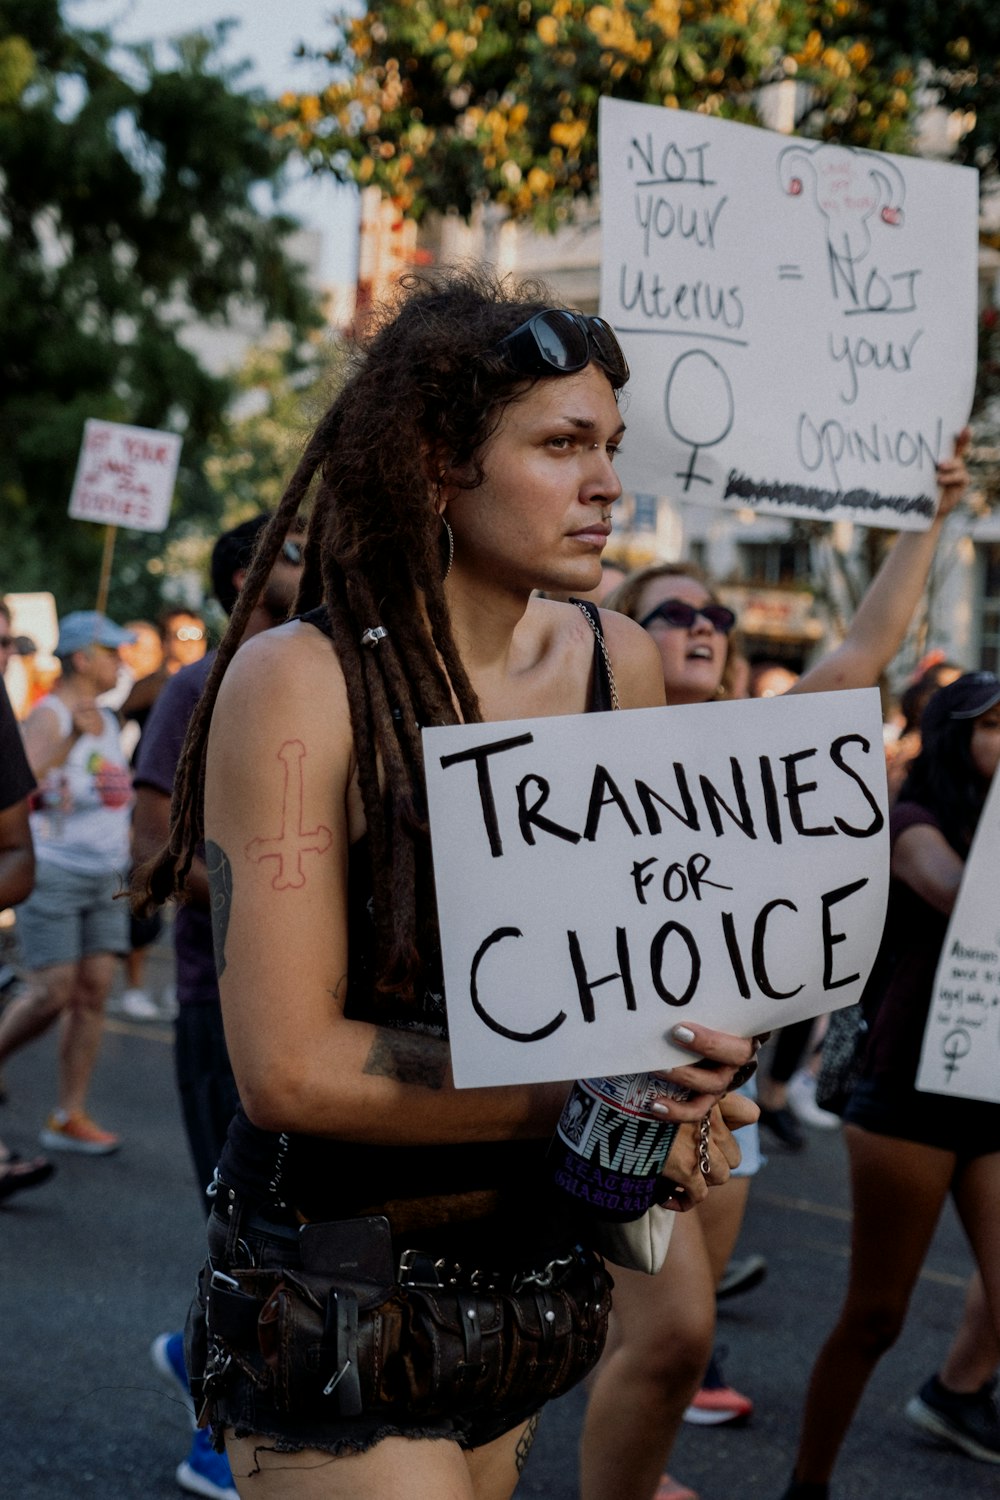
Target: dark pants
x=206, y=1085
x=789, y=1047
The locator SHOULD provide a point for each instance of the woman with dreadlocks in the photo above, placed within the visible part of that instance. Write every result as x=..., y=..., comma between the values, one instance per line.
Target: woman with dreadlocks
x=390, y=1296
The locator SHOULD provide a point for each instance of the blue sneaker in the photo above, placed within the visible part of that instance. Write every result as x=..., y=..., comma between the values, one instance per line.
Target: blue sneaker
x=167, y=1354
x=205, y=1472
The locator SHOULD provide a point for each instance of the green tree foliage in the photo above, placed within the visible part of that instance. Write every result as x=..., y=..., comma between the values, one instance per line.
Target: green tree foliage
x=958, y=45
x=447, y=105
x=126, y=213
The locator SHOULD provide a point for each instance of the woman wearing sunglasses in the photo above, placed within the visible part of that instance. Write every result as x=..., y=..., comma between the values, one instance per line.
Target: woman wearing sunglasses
x=390, y=1296
x=660, y=1339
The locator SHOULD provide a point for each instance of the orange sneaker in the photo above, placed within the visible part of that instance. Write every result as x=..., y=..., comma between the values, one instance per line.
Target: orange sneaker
x=672, y=1489
x=77, y=1132
x=717, y=1403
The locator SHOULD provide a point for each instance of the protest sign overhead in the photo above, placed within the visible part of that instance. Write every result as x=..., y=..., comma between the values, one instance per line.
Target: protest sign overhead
x=799, y=317
x=961, y=1046
x=601, y=877
x=125, y=476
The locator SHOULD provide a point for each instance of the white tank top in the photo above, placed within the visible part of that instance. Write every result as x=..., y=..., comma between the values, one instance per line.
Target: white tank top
x=82, y=808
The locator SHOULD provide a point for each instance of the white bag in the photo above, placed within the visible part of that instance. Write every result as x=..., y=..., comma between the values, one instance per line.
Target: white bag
x=639, y=1244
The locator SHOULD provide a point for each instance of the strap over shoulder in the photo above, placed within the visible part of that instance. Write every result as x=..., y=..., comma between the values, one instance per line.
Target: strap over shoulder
x=604, y=694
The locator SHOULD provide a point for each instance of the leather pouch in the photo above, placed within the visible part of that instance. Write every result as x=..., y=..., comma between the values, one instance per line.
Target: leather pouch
x=346, y=1344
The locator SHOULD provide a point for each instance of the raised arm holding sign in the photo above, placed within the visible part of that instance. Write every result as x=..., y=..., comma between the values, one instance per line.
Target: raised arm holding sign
x=664, y=1330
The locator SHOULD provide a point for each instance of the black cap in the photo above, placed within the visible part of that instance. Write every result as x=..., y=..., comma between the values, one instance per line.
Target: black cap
x=966, y=698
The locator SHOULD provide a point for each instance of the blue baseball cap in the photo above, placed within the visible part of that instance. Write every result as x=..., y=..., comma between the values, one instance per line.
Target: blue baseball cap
x=88, y=627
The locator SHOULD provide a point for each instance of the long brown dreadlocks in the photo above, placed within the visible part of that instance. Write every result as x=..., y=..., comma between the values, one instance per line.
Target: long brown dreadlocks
x=423, y=395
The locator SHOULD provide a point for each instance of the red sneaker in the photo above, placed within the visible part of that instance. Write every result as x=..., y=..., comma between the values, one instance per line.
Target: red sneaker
x=717, y=1403
x=672, y=1489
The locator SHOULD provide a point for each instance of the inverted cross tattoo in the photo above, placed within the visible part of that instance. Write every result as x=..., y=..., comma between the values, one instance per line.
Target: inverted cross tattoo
x=293, y=841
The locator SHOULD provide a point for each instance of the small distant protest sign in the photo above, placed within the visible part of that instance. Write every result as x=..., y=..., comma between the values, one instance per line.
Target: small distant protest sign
x=799, y=316
x=961, y=1047
x=602, y=877
x=125, y=476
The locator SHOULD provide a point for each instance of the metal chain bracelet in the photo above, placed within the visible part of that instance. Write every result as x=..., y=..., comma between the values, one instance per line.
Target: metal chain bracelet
x=704, y=1136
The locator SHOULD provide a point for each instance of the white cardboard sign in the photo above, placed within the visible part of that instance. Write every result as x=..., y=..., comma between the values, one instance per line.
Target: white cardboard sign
x=602, y=877
x=961, y=1048
x=799, y=317
x=125, y=476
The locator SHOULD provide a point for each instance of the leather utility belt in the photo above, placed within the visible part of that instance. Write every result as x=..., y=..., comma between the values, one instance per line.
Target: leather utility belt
x=355, y=1328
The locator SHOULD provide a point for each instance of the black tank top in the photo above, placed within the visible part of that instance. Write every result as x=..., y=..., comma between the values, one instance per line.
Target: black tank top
x=323, y=1178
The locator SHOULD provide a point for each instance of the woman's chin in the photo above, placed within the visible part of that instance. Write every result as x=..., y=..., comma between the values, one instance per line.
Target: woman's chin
x=697, y=686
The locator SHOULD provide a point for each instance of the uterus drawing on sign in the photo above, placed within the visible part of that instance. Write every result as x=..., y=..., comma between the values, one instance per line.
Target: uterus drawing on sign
x=699, y=407
x=848, y=187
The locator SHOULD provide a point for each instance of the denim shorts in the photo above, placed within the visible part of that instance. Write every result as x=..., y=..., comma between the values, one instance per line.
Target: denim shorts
x=967, y=1127
x=70, y=916
x=243, y=1404
x=748, y=1138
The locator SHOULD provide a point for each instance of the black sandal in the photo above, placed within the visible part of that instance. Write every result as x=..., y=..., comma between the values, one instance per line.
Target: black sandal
x=16, y=1174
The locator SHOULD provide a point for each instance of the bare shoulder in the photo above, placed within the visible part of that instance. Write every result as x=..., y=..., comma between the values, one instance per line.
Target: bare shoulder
x=564, y=637
x=635, y=659
x=290, y=678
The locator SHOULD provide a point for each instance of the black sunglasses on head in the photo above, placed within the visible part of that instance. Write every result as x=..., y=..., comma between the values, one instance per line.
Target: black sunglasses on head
x=564, y=342
x=681, y=616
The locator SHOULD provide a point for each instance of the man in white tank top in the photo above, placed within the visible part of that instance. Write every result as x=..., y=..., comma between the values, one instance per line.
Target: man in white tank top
x=71, y=927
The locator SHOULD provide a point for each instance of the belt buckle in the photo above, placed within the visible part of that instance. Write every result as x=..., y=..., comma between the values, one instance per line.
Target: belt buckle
x=492, y=1280
x=417, y=1268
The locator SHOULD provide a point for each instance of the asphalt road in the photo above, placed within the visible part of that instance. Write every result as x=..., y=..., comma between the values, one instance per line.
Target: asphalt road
x=98, y=1261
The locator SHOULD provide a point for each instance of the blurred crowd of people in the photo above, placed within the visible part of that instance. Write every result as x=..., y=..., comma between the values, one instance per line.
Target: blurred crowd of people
x=90, y=740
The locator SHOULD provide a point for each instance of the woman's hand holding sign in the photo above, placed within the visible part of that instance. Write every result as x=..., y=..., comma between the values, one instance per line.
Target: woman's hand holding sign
x=721, y=1055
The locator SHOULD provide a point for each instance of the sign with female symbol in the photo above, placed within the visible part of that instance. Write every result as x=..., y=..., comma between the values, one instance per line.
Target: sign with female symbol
x=799, y=316
x=699, y=407
x=961, y=1047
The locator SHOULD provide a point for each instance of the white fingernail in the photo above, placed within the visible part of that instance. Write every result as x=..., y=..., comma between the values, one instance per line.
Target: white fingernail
x=683, y=1034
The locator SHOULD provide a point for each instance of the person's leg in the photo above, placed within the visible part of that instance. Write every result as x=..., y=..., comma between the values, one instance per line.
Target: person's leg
x=721, y=1215
x=82, y=1028
x=786, y=1055
x=496, y=1468
x=660, y=1342
x=898, y=1189
x=977, y=1198
x=956, y=1406
x=975, y=1350
x=135, y=968
x=397, y=1467
x=46, y=994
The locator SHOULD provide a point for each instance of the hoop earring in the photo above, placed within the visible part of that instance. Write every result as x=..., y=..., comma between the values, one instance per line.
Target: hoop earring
x=451, y=548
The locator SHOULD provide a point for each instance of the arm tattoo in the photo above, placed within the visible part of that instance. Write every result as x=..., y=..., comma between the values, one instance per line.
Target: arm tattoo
x=293, y=841
x=524, y=1443
x=220, y=895
x=408, y=1057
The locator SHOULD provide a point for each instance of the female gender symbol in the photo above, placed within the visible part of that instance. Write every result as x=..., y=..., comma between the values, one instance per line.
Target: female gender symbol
x=699, y=407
